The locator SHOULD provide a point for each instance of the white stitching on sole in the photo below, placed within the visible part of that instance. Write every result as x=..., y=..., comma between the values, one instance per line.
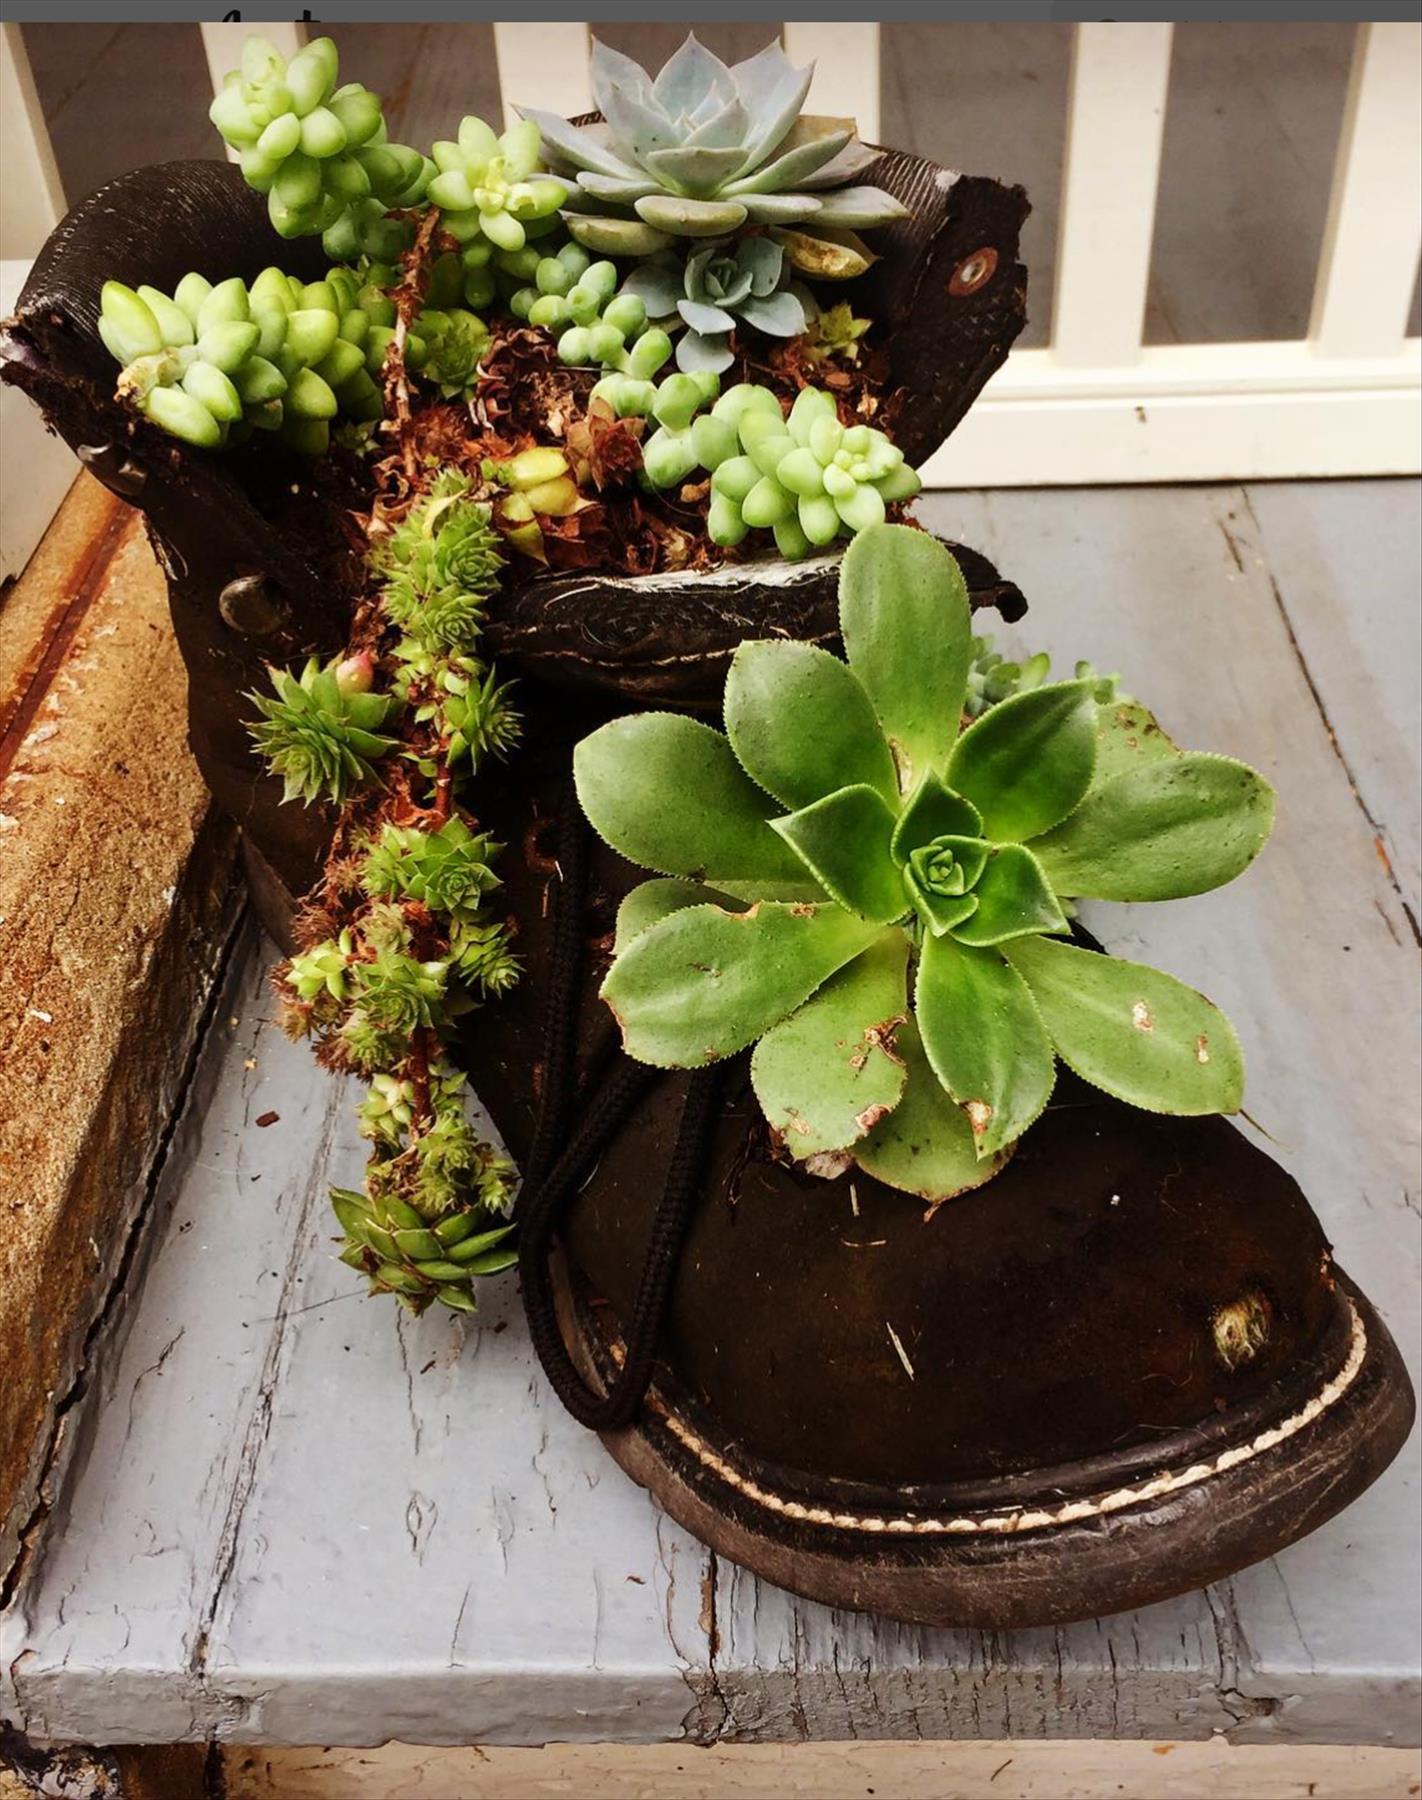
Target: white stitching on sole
x=1020, y=1520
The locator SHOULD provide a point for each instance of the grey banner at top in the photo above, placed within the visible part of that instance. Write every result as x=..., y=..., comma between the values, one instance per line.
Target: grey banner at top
x=1279, y=11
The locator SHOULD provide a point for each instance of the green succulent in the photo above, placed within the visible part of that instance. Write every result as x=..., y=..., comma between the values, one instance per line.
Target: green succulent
x=834, y=333
x=721, y=285
x=443, y=345
x=490, y=188
x=808, y=478
x=397, y=992
x=885, y=919
x=597, y=327
x=317, y=151
x=322, y=970
x=455, y=342
x=412, y=948
x=480, y=955
x=991, y=678
x=705, y=150
x=440, y=566
x=212, y=364
x=449, y=870
x=322, y=732
x=680, y=442
x=433, y=1220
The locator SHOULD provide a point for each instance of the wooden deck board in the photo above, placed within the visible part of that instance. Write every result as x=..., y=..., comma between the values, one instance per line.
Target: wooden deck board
x=293, y=1520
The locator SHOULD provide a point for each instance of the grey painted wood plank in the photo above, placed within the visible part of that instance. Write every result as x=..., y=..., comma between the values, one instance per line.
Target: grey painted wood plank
x=297, y=1520
x=294, y=1520
x=1347, y=559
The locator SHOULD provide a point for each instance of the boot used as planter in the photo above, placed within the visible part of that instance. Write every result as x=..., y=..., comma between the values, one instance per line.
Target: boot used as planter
x=766, y=988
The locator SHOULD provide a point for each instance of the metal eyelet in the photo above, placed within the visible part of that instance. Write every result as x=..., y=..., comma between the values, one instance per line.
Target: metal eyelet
x=973, y=272
x=252, y=606
x=119, y=473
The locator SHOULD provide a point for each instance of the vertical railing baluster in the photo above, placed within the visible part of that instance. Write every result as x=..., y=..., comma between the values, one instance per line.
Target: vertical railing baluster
x=1115, y=123
x=1374, y=231
x=846, y=59
x=31, y=195
x=544, y=66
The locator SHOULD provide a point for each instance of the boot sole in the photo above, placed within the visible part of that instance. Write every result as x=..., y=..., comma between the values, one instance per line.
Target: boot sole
x=1043, y=1548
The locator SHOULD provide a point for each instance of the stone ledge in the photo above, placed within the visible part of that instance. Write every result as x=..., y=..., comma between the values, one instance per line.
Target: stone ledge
x=117, y=894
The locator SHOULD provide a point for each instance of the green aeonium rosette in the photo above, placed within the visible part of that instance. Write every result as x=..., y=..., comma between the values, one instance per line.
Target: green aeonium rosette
x=886, y=919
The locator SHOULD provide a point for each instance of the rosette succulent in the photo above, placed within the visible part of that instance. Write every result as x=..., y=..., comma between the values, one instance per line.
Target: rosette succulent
x=703, y=150
x=318, y=152
x=322, y=731
x=492, y=188
x=875, y=899
x=721, y=285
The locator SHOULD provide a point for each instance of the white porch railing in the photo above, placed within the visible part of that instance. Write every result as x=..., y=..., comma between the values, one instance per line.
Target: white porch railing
x=1096, y=405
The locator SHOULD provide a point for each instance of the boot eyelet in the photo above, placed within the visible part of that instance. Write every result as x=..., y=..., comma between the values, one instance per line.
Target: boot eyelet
x=252, y=606
x=973, y=272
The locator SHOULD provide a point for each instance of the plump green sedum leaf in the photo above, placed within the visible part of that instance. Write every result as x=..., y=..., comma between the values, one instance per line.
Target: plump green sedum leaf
x=219, y=364
x=928, y=848
x=492, y=188
x=319, y=152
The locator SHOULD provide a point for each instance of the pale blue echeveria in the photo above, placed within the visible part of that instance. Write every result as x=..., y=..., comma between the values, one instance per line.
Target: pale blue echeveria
x=722, y=285
x=704, y=149
x=869, y=889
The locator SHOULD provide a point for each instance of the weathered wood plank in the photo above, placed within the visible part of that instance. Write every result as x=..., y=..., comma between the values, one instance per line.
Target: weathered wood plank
x=1005, y=1770
x=317, y=1524
x=1344, y=557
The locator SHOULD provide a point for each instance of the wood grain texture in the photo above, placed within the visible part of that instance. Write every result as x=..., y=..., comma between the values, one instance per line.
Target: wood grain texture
x=116, y=887
x=320, y=1525
x=1005, y=1770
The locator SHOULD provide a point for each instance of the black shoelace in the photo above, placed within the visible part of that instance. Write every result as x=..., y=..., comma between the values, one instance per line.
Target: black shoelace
x=566, y=1150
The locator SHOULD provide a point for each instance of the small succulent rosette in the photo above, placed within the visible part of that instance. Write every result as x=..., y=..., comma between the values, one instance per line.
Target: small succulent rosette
x=879, y=901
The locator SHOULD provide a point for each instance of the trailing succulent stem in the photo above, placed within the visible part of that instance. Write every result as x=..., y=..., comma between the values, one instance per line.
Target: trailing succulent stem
x=399, y=941
x=871, y=886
